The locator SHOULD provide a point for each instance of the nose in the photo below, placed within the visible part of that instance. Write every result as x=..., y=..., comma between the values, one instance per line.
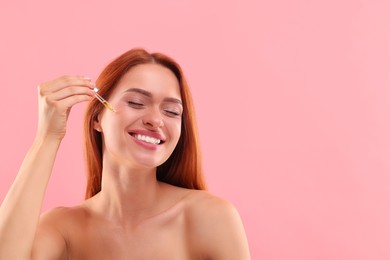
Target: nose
x=153, y=119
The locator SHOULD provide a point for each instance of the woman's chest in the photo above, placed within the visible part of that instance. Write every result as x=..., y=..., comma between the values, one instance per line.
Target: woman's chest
x=157, y=238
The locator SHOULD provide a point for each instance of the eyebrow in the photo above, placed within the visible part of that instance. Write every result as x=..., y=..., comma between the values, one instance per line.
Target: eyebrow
x=150, y=95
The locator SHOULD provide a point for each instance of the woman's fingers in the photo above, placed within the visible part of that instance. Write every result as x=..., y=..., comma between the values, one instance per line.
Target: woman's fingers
x=71, y=91
x=70, y=101
x=56, y=98
x=67, y=87
x=64, y=82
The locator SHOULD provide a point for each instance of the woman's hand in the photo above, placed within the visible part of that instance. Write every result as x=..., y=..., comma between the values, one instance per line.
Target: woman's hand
x=56, y=98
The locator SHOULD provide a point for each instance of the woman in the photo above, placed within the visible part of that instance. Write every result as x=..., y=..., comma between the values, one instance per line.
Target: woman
x=145, y=195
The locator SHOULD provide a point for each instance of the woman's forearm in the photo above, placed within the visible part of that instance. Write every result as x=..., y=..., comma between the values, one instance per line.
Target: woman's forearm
x=20, y=210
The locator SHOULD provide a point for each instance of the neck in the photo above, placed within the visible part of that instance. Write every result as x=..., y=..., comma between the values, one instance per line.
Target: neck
x=128, y=193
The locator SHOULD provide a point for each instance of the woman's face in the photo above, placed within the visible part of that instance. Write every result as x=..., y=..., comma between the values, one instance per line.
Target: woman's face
x=144, y=130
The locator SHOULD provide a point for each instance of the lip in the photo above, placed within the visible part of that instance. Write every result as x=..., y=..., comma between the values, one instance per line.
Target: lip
x=148, y=133
x=146, y=145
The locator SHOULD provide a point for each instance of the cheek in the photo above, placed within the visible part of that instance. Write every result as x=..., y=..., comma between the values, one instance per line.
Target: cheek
x=111, y=125
x=176, y=131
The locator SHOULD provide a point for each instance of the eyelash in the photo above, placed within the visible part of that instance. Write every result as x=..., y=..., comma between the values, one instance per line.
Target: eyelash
x=140, y=105
x=172, y=113
x=135, y=104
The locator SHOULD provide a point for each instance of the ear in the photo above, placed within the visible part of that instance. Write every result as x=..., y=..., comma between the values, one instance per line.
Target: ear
x=96, y=124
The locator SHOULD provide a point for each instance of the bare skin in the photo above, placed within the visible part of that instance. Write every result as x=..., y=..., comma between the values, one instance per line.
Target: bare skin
x=195, y=226
x=134, y=216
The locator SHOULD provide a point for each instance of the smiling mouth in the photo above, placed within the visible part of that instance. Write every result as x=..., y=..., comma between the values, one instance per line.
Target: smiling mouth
x=147, y=139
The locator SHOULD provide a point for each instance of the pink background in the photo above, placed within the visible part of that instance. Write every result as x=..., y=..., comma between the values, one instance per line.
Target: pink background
x=292, y=97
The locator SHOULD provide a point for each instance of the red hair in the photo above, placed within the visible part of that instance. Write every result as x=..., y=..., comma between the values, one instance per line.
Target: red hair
x=183, y=168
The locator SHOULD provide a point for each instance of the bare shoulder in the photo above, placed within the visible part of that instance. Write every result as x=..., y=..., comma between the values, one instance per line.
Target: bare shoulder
x=60, y=217
x=206, y=205
x=59, y=213
x=50, y=239
x=216, y=227
x=200, y=204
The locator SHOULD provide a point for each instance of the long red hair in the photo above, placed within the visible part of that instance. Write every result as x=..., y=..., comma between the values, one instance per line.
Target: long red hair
x=183, y=168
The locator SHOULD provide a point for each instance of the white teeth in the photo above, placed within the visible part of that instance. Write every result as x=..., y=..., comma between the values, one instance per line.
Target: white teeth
x=147, y=139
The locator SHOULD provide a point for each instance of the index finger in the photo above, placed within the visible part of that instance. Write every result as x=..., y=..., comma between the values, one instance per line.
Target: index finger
x=63, y=82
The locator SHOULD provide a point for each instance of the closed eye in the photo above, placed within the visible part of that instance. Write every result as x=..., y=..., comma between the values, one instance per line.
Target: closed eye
x=172, y=113
x=136, y=104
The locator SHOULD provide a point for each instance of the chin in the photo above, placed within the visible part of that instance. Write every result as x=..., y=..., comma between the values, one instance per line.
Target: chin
x=148, y=162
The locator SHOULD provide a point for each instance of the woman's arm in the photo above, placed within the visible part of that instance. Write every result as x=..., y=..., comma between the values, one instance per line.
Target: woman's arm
x=20, y=210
